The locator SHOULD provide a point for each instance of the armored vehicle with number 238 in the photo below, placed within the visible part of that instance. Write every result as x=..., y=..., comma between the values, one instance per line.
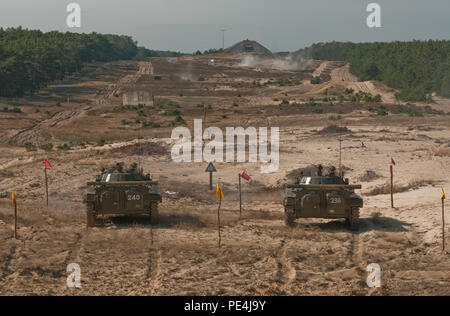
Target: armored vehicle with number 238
x=119, y=192
x=321, y=196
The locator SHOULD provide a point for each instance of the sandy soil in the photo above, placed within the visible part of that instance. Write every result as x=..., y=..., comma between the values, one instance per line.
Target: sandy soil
x=259, y=254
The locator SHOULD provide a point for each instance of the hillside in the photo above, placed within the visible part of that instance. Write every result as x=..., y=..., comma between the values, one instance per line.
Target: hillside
x=416, y=69
x=30, y=59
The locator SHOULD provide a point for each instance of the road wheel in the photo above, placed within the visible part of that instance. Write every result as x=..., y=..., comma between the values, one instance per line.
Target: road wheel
x=91, y=217
x=154, y=213
x=289, y=217
x=354, y=219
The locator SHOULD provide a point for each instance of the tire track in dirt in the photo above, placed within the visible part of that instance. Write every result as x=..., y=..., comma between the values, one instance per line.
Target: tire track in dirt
x=357, y=258
x=73, y=255
x=341, y=76
x=325, y=70
x=356, y=252
x=32, y=134
x=6, y=265
x=286, y=272
x=154, y=261
x=145, y=68
x=154, y=274
x=17, y=247
x=6, y=270
x=318, y=71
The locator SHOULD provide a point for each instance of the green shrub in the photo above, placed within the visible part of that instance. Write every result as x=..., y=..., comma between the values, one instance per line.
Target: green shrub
x=64, y=147
x=30, y=147
x=179, y=119
x=150, y=124
x=173, y=104
x=316, y=80
x=47, y=147
x=101, y=142
x=172, y=112
x=14, y=110
x=382, y=112
x=335, y=118
x=349, y=91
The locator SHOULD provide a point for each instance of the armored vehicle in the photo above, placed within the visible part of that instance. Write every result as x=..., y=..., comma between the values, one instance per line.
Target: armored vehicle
x=320, y=196
x=119, y=192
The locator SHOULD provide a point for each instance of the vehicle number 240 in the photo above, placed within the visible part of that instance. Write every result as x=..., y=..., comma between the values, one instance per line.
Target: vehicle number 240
x=134, y=197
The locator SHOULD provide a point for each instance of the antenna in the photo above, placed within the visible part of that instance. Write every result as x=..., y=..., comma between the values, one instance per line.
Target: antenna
x=223, y=38
x=340, y=155
x=140, y=149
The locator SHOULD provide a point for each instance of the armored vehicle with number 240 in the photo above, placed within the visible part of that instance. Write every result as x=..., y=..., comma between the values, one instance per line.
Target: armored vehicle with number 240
x=119, y=192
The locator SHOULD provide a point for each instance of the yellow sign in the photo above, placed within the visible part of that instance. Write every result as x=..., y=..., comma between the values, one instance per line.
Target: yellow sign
x=442, y=194
x=219, y=193
x=13, y=196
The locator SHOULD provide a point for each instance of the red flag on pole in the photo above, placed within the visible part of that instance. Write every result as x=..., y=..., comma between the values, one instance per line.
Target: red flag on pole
x=393, y=161
x=245, y=176
x=47, y=164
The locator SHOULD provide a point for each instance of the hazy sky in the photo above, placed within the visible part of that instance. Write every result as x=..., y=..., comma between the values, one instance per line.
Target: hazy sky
x=280, y=25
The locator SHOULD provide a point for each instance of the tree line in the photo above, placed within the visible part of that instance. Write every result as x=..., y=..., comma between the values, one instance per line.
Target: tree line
x=143, y=53
x=31, y=59
x=416, y=68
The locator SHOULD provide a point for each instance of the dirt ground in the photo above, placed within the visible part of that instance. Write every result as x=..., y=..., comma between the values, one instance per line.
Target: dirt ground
x=259, y=254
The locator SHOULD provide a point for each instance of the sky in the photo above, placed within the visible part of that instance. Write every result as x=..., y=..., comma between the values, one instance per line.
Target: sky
x=280, y=25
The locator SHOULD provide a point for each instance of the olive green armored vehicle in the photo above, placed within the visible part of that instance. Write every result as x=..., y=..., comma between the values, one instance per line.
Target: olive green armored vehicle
x=119, y=192
x=322, y=196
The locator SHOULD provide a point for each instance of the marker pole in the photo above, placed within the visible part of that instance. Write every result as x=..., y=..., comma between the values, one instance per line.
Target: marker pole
x=392, y=186
x=240, y=195
x=46, y=184
x=218, y=221
x=15, y=220
x=443, y=225
x=210, y=181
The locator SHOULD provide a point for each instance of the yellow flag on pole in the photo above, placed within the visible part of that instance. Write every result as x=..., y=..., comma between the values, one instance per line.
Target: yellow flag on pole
x=13, y=196
x=442, y=194
x=219, y=193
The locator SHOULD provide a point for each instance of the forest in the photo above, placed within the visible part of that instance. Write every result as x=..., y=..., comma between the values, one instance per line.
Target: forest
x=416, y=68
x=143, y=53
x=31, y=59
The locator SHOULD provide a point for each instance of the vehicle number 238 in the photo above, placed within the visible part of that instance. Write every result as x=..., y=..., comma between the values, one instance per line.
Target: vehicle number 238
x=134, y=197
